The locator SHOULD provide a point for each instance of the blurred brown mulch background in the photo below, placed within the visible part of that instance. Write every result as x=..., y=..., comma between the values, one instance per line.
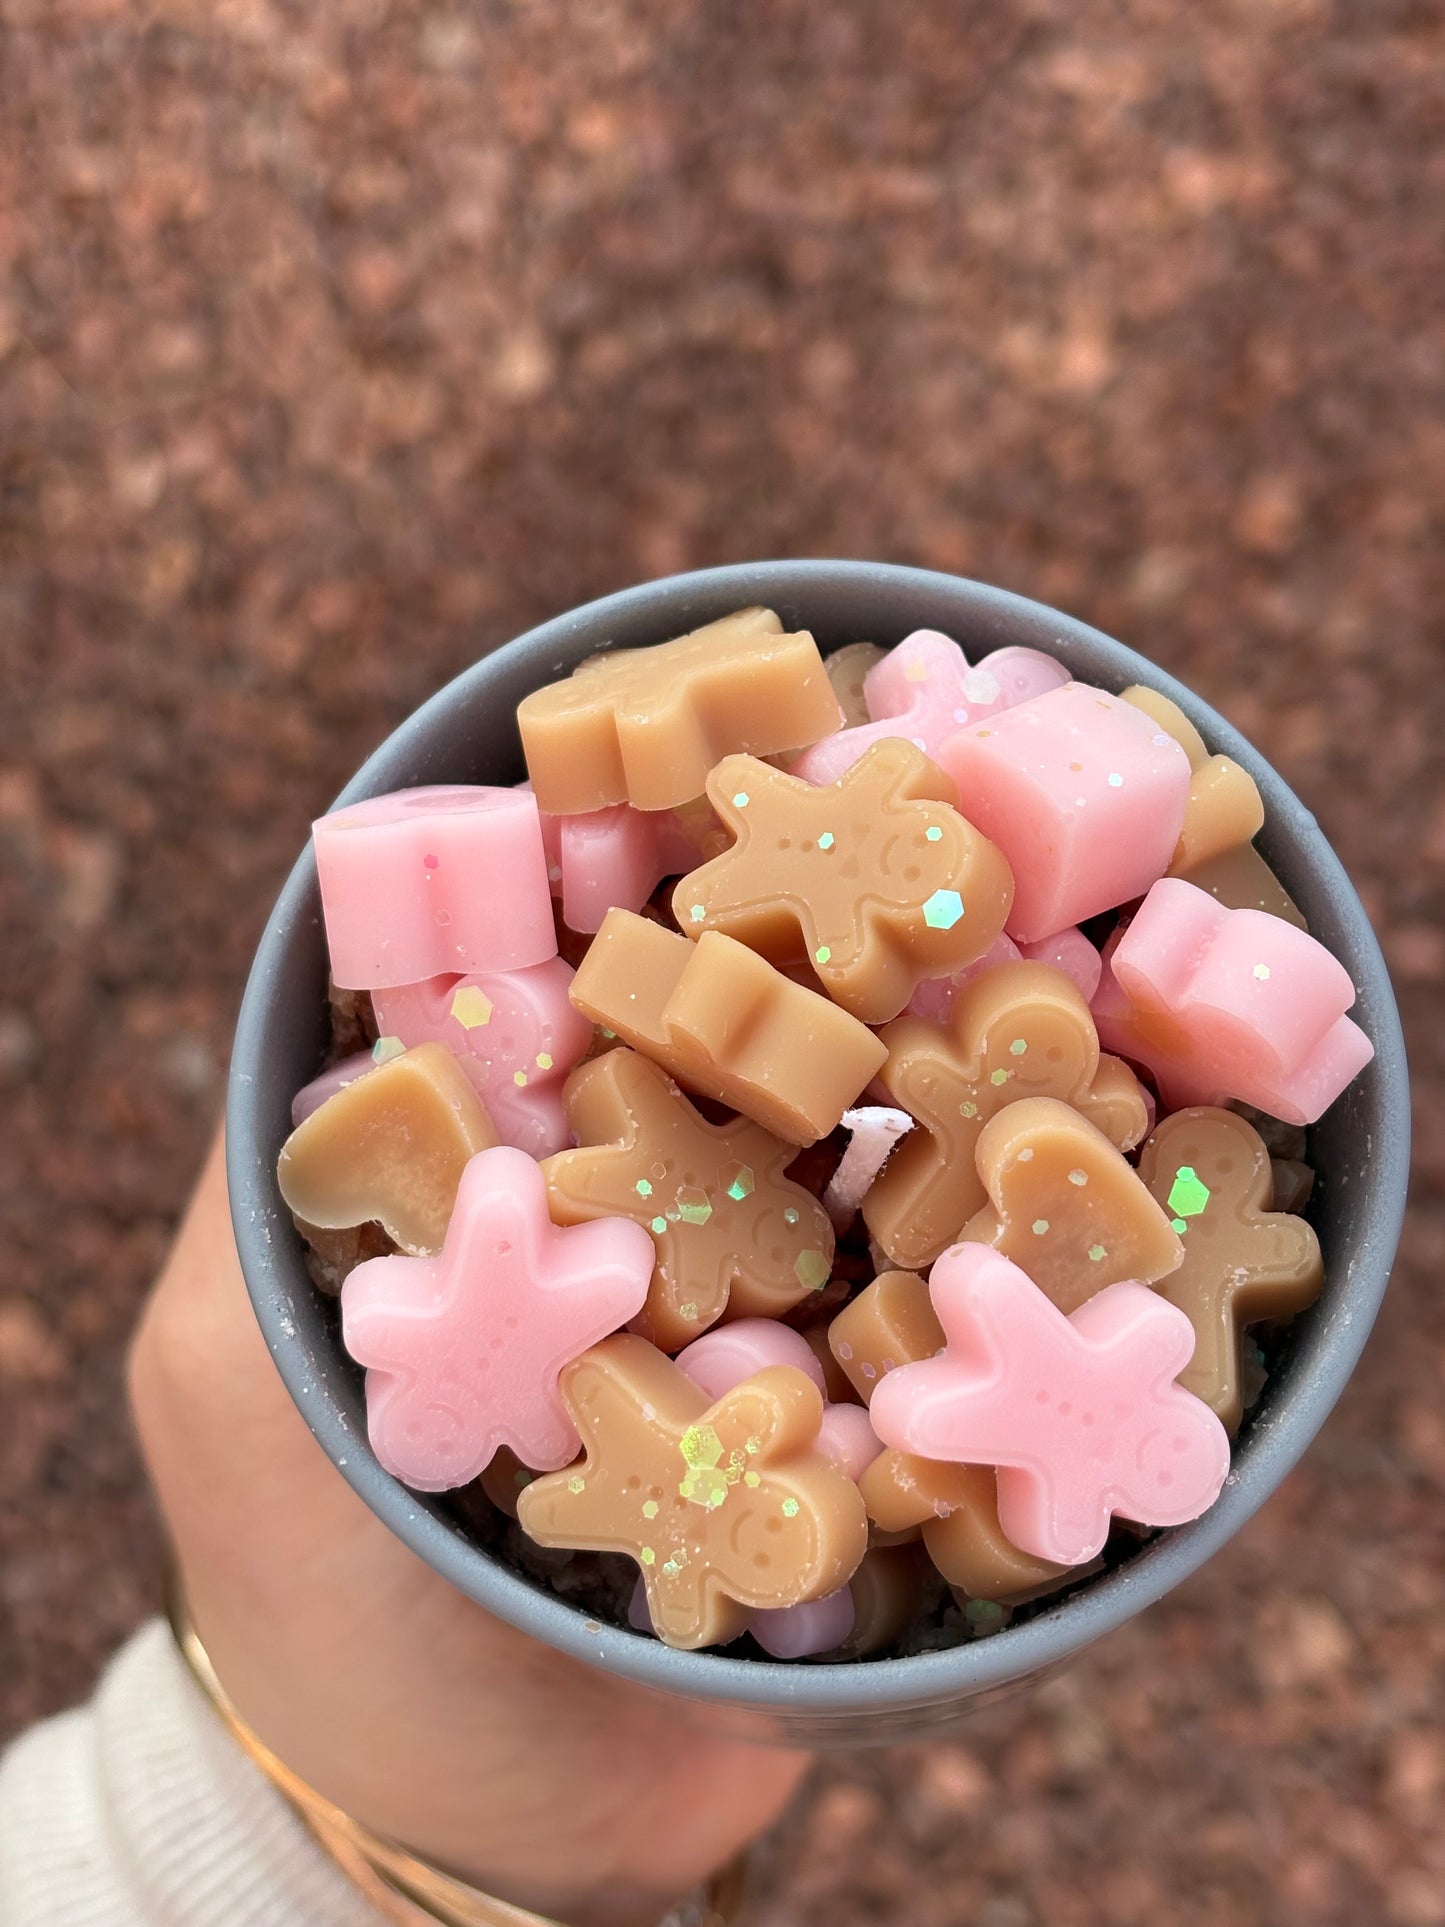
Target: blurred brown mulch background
x=339, y=343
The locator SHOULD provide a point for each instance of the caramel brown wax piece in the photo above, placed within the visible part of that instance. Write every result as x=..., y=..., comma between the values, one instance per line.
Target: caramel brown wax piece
x=732, y=1232
x=847, y=667
x=889, y=1590
x=957, y=1507
x=1242, y=1261
x=332, y=1256
x=1293, y=1183
x=1065, y=1207
x=890, y=1323
x=644, y=726
x=727, y=1507
x=875, y=881
x=1224, y=814
x=1020, y=1030
x=727, y=1024
x=390, y=1147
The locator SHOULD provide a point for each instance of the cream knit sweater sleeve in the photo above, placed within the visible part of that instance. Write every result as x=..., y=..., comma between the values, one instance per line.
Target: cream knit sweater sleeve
x=139, y=1810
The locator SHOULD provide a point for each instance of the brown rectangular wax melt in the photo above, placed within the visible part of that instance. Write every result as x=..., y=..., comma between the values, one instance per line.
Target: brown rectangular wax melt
x=727, y=1024
x=644, y=726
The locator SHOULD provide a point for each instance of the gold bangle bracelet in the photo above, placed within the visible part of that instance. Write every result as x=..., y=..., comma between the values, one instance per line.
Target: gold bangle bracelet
x=405, y=1890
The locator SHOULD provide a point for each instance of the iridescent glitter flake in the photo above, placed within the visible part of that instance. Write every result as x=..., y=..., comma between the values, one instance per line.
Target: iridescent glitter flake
x=543, y=1060
x=1097, y=1253
x=825, y=841
x=385, y=1048
x=812, y=1270
x=933, y=833
x=822, y=954
x=1188, y=1196
x=1261, y=971
x=1078, y=1177
x=1041, y=1226
x=1019, y=1046
x=697, y=912
x=693, y=1206
x=659, y=1225
x=644, y=1187
x=790, y=1508
x=519, y=1078
x=471, y=1007
x=943, y=909
x=707, y=1479
x=650, y=1508
x=740, y=1186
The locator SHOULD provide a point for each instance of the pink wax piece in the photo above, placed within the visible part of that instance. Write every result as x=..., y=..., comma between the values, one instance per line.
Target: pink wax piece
x=925, y=690
x=1222, y=1004
x=431, y=880
x=1069, y=951
x=615, y=858
x=798, y=1632
x=1085, y=796
x=313, y=1095
x=514, y=1032
x=728, y=1354
x=1081, y=1415
x=934, y=997
x=846, y=1436
x=463, y=1351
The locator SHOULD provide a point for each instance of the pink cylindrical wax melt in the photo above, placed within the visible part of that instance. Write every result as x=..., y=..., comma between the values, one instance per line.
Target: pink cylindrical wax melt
x=427, y=881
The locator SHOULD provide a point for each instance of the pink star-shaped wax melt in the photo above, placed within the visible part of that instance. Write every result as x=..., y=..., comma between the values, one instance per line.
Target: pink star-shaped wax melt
x=925, y=690
x=1081, y=1415
x=463, y=1350
x=724, y=1358
x=514, y=1032
x=1222, y=1004
x=615, y=858
x=1084, y=794
x=449, y=878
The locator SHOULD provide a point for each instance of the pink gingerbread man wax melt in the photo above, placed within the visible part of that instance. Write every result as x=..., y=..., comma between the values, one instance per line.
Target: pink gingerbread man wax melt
x=515, y=1033
x=1084, y=795
x=1081, y=1415
x=463, y=1351
x=1222, y=1004
x=925, y=690
x=411, y=885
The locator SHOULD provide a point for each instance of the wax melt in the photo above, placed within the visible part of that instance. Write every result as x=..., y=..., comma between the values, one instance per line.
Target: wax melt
x=410, y=885
x=728, y=1024
x=727, y=1507
x=1081, y=1415
x=515, y=1033
x=1021, y=1030
x=645, y=726
x=874, y=881
x=924, y=691
x=1065, y=1206
x=464, y=1350
x=1243, y=1260
x=730, y=1230
x=1084, y=796
x=389, y=1147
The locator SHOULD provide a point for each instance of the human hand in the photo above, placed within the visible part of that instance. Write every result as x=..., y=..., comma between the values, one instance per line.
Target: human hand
x=530, y=1774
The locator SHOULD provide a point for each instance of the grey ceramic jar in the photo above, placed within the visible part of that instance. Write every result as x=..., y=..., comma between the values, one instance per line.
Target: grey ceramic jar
x=467, y=733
